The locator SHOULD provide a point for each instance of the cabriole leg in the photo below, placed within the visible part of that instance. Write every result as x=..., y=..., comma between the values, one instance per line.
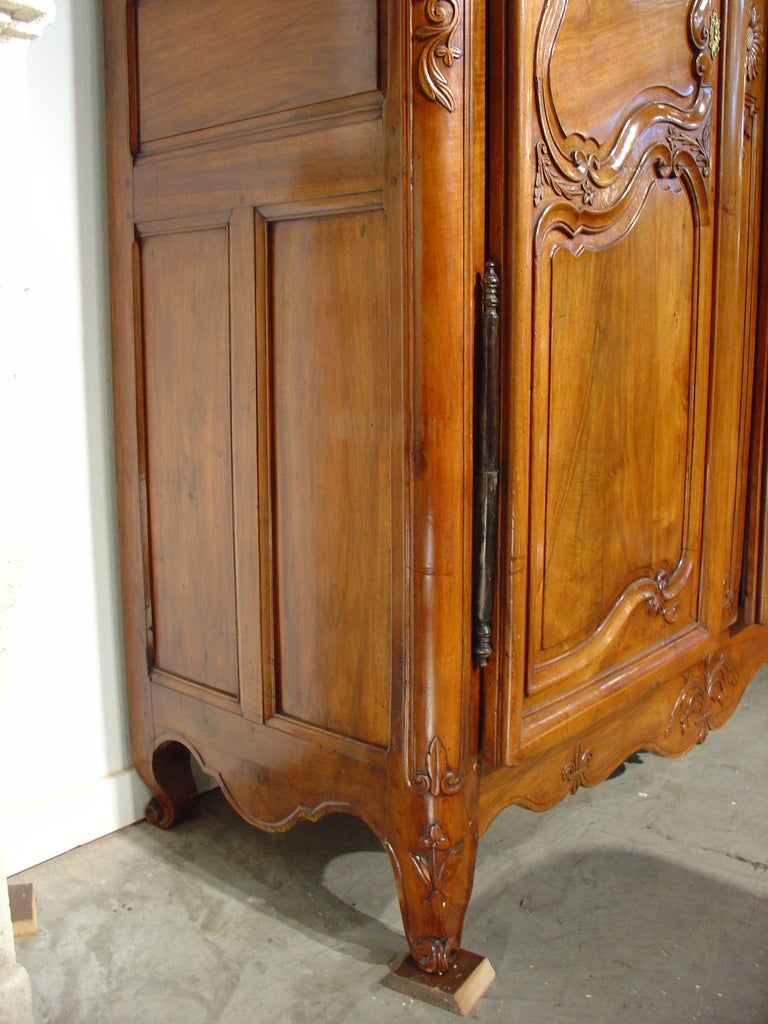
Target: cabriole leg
x=173, y=785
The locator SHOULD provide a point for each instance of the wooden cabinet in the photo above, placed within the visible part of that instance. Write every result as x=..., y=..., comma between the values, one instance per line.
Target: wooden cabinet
x=315, y=405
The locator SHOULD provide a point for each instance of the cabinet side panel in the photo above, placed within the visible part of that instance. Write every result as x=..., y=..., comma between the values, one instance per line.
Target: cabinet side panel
x=229, y=60
x=332, y=472
x=185, y=285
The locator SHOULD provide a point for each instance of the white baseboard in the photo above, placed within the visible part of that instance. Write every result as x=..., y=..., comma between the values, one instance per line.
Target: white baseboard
x=52, y=827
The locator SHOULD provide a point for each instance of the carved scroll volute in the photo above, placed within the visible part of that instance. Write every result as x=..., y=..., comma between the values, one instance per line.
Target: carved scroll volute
x=597, y=173
x=438, y=34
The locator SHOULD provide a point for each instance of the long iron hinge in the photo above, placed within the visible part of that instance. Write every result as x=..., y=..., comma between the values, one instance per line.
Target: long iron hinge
x=486, y=473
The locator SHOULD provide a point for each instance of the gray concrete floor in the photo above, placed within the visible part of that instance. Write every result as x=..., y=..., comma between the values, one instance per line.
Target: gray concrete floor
x=643, y=899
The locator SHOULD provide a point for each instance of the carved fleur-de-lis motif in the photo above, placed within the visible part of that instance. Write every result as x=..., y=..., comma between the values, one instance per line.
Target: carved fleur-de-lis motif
x=575, y=772
x=437, y=777
x=701, y=696
x=435, y=861
x=442, y=23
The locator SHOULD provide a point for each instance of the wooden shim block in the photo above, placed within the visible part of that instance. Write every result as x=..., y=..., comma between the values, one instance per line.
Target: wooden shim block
x=458, y=990
x=23, y=910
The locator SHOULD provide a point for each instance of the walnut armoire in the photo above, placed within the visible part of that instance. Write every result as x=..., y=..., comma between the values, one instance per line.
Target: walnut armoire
x=440, y=402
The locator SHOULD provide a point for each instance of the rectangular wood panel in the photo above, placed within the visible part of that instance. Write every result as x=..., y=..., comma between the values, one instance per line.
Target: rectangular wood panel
x=332, y=477
x=186, y=336
x=222, y=61
x=619, y=417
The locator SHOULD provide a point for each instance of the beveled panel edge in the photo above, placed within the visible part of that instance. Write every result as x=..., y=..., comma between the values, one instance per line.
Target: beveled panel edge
x=327, y=738
x=297, y=121
x=184, y=225
x=345, y=160
x=197, y=72
x=196, y=690
x=326, y=206
x=545, y=711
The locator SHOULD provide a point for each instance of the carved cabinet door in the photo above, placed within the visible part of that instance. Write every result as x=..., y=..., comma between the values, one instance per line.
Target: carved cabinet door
x=624, y=176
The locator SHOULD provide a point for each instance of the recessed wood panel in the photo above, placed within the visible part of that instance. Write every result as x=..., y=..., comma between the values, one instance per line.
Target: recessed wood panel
x=331, y=463
x=607, y=52
x=619, y=417
x=185, y=287
x=222, y=61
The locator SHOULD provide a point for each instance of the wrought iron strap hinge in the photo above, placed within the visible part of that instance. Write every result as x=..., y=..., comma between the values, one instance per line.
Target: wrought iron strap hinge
x=486, y=472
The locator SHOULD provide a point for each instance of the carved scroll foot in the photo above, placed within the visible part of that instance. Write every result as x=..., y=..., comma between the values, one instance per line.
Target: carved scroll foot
x=174, y=786
x=459, y=990
x=434, y=870
x=432, y=843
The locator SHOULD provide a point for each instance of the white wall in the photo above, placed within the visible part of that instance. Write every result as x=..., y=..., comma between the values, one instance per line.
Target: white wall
x=64, y=756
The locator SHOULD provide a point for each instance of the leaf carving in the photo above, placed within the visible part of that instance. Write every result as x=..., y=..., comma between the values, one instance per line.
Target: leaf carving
x=449, y=863
x=437, y=865
x=422, y=868
x=438, y=35
x=703, y=695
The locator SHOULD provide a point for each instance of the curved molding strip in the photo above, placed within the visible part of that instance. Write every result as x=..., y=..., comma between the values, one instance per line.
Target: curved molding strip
x=578, y=227
x=581, y=169
x=659, y=593
x=442, y=22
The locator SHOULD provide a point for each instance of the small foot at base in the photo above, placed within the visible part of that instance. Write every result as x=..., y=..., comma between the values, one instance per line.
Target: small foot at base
x=458, y=990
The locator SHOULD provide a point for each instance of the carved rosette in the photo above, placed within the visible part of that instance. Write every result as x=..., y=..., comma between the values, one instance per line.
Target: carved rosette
x=575, y=772
x=703, y=697
x=437, y=777
x=755, y=44
x=438, y=36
